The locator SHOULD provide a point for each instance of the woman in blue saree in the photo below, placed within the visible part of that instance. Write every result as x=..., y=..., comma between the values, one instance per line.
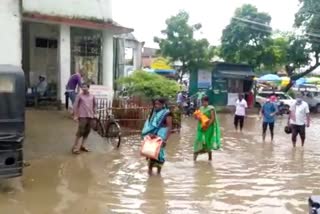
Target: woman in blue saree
x=158, y=124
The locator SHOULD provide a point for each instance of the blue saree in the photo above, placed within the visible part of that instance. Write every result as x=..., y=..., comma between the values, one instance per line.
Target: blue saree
x=155, y=125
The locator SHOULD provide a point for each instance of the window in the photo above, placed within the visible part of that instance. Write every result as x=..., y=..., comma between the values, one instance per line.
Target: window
x=264, y=95
x=86, y=46
x=52, y=43
x=41, y=43
x=128, y=56
x=46, y=43
x=7, y=84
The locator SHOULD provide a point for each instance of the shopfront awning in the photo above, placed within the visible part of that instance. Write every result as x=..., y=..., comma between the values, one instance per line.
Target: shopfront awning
x=76, y=22
x=234, y=74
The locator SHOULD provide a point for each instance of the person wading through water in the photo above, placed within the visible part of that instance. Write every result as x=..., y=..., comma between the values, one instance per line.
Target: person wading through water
x=268, y=113
x=208, y=137
x=84, y=113
x=159, y=123
x=240, y=113
x=299, y=119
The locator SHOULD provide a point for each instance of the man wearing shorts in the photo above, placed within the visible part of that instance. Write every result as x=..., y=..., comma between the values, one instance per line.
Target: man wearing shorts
x=268, y=112
x=240, y=113
x=84, y=112
x=299, y=119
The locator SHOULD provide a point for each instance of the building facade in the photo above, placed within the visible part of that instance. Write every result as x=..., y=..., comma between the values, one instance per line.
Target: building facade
x=58, y=38
x=148, y=56
x=128, y=53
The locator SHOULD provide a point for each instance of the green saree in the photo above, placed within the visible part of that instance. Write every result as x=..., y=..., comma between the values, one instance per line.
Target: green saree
x=209, y=139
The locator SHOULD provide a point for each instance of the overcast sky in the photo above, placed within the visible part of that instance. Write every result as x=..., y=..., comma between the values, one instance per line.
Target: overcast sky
x=147, y=17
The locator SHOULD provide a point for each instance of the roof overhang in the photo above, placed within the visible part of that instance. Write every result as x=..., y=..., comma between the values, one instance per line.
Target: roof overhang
x=234, y=74
x=77, y=22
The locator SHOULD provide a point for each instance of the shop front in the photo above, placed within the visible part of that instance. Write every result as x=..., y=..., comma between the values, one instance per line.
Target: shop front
x=223, y=82
x=230, y=80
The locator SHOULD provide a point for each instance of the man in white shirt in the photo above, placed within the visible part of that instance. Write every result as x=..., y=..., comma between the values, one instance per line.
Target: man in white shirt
x=299, y=118
x=241, y=106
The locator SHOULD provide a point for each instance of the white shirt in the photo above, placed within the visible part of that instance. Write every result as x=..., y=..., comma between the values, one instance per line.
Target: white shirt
x=299, y=114
x=241, y=107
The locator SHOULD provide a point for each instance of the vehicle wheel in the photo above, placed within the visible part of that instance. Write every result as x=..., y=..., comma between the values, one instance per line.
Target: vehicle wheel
x=318, y=108
x=113, y=134
x=286, y=109
x=99, y=128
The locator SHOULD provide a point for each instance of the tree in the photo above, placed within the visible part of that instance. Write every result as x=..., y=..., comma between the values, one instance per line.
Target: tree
x=149, y=85
x=179, y=44
x=245, y=38
x=307, y=19
x=287, y=49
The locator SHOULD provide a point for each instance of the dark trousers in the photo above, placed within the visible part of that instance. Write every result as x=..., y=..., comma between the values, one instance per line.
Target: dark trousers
x=298, y=130
x=265, y=127
x=238, y=120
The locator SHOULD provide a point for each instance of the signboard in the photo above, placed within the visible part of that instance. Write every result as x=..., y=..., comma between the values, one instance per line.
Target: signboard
x=161, y=64
x=101, y=92
x=204, y=79
x=232, y=99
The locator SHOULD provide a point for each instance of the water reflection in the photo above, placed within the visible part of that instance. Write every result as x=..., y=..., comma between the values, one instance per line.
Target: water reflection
x=154, y=196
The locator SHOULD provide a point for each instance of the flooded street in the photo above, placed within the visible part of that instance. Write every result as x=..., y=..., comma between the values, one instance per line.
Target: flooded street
x=246, y=176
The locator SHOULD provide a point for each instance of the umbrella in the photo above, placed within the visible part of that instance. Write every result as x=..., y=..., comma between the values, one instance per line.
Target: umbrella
x=285, y=81
x=313, y=80
x=300, y=81
x=270, y=77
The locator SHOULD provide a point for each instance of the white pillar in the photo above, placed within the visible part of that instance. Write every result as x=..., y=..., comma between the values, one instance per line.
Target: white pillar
x=10, y=42
x=64, y=59
x=107, y=59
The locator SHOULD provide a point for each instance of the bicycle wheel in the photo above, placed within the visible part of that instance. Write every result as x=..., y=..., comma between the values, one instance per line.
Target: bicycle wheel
x=113, y=134
x=99, y=128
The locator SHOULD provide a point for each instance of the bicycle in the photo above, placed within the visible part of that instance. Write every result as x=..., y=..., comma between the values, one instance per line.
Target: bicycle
x=108, y=127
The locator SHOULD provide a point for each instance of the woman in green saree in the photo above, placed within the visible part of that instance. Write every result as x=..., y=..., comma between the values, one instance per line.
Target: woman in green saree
x=208, y=137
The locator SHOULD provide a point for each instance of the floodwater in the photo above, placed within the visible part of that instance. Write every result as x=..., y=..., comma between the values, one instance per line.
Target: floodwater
x=246, y=176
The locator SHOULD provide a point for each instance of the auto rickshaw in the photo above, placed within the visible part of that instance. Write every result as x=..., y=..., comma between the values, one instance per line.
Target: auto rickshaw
x=12, y=120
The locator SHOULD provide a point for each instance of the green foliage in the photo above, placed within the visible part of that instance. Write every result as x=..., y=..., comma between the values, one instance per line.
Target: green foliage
x=249, y=39
x=149, y=85
x=308, y=20
x=306, y=48
x=179, y=45
x=286, y=49
x=292, y=94
x=244, y=39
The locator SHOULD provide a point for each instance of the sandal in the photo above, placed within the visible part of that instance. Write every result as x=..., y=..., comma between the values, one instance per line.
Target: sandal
x=84, y=149
x=75, y=151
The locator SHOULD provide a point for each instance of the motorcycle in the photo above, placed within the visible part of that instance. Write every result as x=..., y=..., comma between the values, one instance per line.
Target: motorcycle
x=189, y=108
x=282, y=109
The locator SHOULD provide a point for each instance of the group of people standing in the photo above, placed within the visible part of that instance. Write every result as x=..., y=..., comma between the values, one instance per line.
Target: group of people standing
x=298, y=120
x=159, y=122
x=268, y=113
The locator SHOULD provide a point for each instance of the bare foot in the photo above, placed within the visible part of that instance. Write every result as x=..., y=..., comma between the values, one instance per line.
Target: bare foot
x=195, y=156
x=159, y=170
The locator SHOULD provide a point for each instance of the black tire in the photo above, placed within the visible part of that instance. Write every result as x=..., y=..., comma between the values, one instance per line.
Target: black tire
x=100, y=129
x=113, y=134
x=317, y=110
x=287, y=109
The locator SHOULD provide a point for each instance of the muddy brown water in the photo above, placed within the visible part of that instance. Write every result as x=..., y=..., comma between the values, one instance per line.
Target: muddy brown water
x=246, y=176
